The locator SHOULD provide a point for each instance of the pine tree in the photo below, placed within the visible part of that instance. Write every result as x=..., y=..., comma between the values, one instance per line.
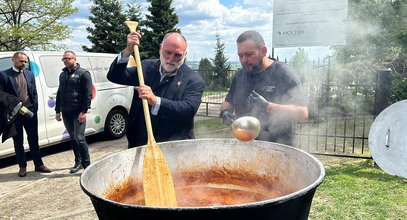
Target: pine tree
x=221, y=67
x=133, y=13
x=205, y=69
x=109, y=34
x=161, y=20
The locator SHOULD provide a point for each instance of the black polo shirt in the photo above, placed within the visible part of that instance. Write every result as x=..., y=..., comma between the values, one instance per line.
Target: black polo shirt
x=278, y=84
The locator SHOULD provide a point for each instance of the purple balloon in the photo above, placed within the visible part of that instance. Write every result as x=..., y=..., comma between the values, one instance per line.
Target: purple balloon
x=51, y=103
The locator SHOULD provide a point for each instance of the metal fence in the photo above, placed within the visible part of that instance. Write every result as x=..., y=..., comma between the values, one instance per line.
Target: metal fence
x=342, y=106
x=341, y=110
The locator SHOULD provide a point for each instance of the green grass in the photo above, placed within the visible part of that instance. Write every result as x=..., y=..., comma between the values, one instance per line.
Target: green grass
x=359, y=191
x=352, y=189
x=212, y=128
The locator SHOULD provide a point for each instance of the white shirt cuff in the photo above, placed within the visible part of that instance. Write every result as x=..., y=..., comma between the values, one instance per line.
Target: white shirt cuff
x=154, y=109
x=121, y=59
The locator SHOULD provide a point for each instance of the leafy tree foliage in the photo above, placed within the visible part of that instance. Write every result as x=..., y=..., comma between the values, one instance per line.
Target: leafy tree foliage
x=221, y=67
x=161, y=20
x=376, y=40
x=376, y=31
x=109, y=34
x=300, y=60
x=33, y=24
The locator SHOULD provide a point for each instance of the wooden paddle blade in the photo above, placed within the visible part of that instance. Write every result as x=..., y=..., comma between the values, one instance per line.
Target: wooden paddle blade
x=132, y=25
x=157, y=180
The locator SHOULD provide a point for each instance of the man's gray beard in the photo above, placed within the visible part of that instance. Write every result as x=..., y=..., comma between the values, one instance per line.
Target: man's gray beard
x=171, y=67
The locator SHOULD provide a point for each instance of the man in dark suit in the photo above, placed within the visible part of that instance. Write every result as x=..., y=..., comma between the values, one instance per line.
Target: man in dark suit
x=21, y=83
x=172, y=90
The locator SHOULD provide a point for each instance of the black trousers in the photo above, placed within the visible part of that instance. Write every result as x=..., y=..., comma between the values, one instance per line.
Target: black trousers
x=76, y=131
x=31, y=128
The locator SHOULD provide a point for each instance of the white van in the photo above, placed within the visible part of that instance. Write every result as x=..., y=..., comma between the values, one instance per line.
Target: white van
x=110, y=102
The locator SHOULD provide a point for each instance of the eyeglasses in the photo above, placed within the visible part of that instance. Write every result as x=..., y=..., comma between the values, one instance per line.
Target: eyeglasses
x=66, y=59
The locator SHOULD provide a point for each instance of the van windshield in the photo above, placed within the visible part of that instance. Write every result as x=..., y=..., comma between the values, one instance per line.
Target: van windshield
x=5, y=63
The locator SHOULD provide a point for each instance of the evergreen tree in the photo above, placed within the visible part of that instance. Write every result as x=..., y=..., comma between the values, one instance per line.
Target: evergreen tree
x=33, y=24
x=133, y=13
x=205, y=69
x=161, y=20
x=109, y=34
x=221, y=68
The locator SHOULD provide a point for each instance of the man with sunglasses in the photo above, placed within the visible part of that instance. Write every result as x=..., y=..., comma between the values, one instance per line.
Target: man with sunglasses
x=73, y=101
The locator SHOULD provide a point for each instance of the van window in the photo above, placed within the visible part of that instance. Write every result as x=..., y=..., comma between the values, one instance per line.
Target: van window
x=100, y=67
x=84, y=63
x=5, y=63
x=54, y=68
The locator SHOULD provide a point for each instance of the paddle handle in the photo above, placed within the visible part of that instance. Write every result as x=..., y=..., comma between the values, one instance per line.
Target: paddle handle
x=144, y=101
x=132, y=25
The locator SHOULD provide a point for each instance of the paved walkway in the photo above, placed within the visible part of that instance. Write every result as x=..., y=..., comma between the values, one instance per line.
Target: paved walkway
x=55, y=195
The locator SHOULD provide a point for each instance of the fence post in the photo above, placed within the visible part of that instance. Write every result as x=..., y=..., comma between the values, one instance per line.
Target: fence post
x=383, y=90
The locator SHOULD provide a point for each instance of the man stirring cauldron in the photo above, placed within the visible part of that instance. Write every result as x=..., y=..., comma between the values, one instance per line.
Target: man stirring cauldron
x=172, y=90
x=266, y=89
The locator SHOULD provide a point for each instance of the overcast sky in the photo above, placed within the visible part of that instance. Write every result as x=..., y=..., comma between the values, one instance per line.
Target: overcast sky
x=199, y=21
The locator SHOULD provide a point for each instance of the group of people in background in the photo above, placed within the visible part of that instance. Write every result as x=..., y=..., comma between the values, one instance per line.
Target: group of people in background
x=263, y=88
x=73, y=101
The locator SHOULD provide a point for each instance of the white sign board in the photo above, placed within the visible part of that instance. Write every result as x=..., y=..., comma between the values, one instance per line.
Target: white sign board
x=301, y=23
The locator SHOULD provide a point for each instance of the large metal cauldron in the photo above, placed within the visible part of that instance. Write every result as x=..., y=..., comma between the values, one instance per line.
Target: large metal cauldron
x=296, y=170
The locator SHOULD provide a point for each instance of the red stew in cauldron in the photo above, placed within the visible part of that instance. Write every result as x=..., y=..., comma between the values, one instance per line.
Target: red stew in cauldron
x=217, y=187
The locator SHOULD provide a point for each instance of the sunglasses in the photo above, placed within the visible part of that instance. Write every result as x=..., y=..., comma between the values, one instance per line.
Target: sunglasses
x=66, y=59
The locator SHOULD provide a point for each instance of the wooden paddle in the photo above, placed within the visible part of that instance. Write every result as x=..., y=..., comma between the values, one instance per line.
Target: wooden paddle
x=157, y=180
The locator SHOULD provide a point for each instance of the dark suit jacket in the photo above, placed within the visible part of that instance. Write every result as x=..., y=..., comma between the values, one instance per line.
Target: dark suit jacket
x=180, y=99
x=7, y=104
x=8, y=84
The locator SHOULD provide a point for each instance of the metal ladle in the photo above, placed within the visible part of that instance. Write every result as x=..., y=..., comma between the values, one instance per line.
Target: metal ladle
x=246, y=128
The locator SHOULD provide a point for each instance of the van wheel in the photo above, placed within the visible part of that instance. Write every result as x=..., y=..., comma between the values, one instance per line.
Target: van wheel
x=116, y=123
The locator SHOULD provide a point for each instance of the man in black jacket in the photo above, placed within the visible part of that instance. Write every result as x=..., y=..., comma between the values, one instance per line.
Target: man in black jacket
x=73, y=100
x=172, y=90
x=20, y=82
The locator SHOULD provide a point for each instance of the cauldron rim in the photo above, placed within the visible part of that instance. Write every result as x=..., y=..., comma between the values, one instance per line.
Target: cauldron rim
x=267, y=202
